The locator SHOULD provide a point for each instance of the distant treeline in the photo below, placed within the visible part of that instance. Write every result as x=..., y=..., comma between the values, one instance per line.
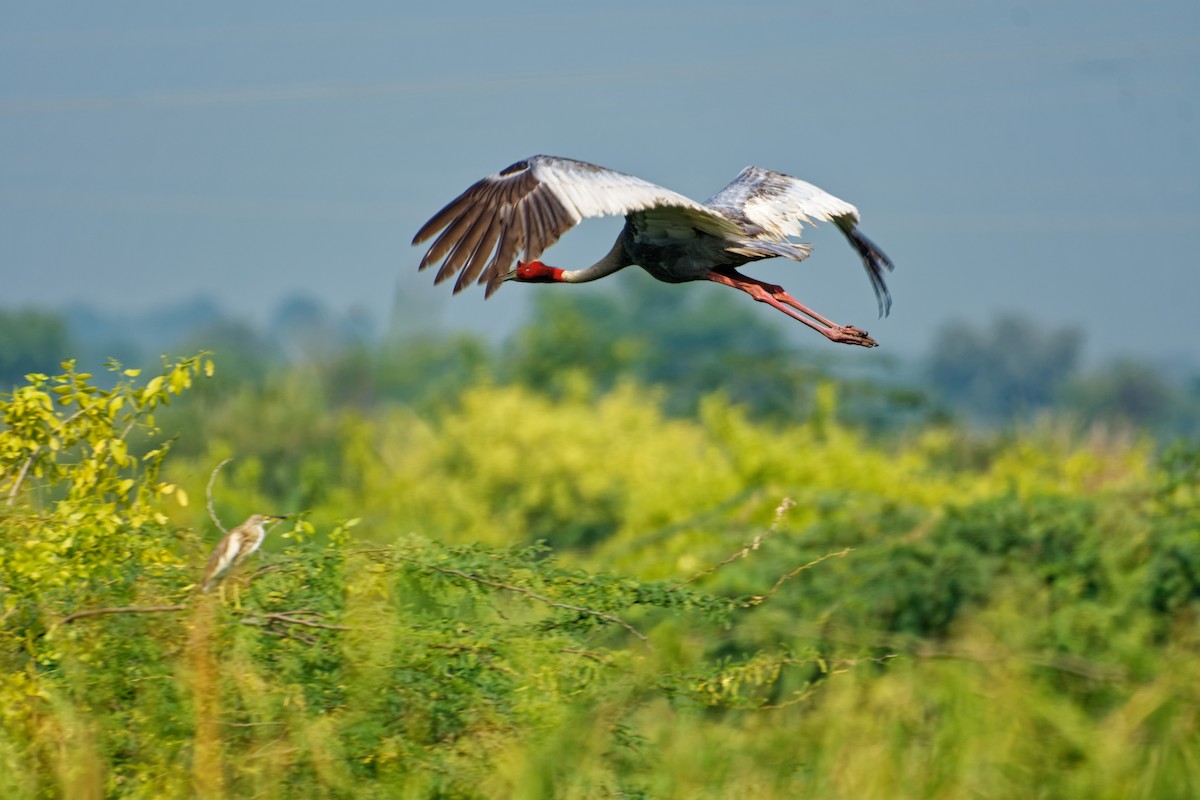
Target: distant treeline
x=991, y=375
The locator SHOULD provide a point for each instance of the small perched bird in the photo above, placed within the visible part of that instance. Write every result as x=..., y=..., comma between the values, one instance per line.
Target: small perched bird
x=235, y=548
x=526, y=207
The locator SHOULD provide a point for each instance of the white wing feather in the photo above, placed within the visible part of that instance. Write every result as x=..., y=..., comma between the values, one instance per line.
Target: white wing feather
x=527, y=207
x=779, y=206
x=591, y=191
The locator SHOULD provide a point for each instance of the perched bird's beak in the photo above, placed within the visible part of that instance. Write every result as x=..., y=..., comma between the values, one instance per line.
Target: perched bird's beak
x=276, y=516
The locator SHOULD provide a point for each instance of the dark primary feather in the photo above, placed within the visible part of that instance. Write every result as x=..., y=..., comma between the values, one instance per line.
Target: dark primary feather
x=526, y=207
x=481, y=220
x=505, y=213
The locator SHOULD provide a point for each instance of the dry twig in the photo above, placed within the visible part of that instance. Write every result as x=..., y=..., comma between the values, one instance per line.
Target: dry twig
x=600, y=658
x=95, y=612
x=273, y=624
x=756, y=543
x=784, y=578
x=208, y=494
x=12, y=491
x=309, y=619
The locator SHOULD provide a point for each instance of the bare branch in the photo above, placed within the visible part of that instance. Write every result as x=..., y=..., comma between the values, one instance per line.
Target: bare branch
x=95, y=612
x=782, y=509
x=62, y=423
x=12, y=491
x=284, y=565
x=372, y=551
x=784, y=578
x=532, y=594
x=600, y=658
x=906, y=646
x=272, y=624
x=309, y=619
x=208, y=494
x=828, y=667
x=283, y=633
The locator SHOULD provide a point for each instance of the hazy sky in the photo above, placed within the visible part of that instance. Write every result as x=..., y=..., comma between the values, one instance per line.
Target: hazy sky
x=1042, y=158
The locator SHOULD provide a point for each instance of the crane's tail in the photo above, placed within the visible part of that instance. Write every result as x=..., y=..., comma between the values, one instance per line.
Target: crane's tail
x=755, y=248
x=874, y=261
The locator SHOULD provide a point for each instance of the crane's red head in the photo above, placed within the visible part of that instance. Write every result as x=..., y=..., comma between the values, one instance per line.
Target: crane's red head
x=535, y=272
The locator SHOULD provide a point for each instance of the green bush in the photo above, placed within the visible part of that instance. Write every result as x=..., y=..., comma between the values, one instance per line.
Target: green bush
x=573, y=592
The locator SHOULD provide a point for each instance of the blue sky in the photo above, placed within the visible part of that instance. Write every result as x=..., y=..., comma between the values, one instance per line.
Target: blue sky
x=1034, y=158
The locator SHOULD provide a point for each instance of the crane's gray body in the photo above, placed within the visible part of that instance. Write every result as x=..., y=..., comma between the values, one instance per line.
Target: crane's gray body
x=691, y=255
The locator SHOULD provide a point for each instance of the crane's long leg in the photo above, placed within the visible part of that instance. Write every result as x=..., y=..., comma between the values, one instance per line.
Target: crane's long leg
x=775, y=296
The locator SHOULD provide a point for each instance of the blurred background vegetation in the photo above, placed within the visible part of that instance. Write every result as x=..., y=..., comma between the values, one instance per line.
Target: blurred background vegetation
x=986, y=375
x=646, y=546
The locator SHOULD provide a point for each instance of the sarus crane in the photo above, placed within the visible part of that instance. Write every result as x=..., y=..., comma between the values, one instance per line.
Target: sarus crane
x=526, y=207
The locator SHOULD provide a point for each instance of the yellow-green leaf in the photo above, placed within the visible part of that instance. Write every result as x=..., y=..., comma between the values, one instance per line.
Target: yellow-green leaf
x=152, y=387
x=180, y=380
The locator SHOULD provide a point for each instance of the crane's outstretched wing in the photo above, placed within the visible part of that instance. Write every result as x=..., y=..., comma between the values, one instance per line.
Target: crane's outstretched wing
x=525, y=208
x=780, y=205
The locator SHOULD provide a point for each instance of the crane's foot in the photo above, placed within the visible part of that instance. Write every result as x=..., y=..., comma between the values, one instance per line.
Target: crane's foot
x=847, y=334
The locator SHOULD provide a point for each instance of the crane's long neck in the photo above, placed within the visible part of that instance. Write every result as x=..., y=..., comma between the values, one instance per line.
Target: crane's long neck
x=616, y=259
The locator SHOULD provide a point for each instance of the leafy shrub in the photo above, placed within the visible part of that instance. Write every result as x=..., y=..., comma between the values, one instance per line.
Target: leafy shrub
x=731, y=606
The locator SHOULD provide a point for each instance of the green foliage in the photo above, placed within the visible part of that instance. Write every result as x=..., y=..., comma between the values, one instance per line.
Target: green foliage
x=423, y=371
x=30, y=341
x=84, y=526
x=1134, y=394
x=74, y=458
x=581, y=590
x=688, y=340
x=1172, y=580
